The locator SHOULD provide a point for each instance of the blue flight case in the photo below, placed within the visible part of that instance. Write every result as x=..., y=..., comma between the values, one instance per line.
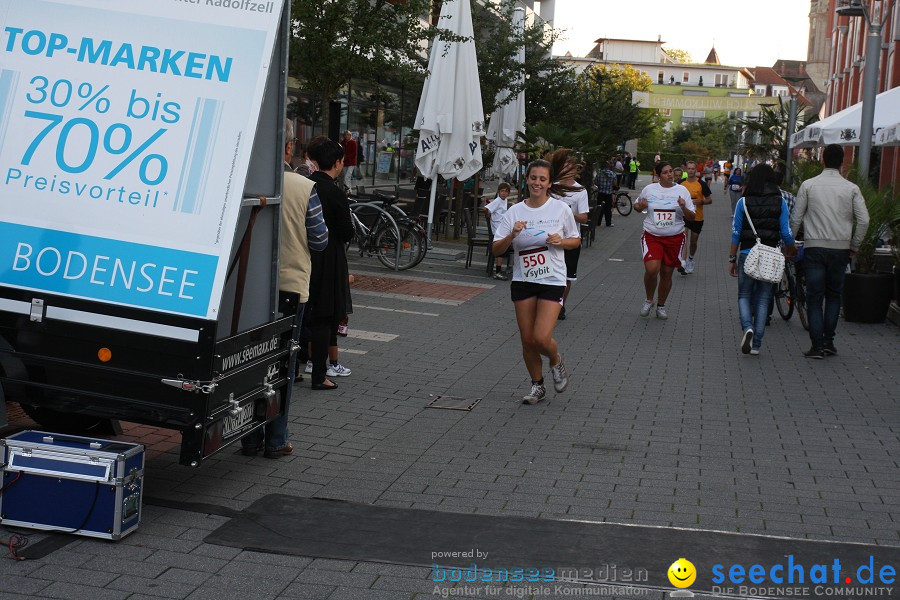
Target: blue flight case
x=85, y=486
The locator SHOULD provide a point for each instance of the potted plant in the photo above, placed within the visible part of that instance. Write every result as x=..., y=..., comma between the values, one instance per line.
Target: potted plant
x=867, y=293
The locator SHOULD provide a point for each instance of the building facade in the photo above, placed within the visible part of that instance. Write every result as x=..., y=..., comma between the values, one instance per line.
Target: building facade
x=680, y=92
x=845, y=38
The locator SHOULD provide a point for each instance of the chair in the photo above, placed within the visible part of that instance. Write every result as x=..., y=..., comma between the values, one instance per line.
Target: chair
x=473, y=239
x=589, y=229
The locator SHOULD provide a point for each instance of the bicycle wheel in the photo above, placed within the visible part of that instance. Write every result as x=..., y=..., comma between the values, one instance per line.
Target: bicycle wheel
x=623, y=204
x=783, y=297
x=411, y=244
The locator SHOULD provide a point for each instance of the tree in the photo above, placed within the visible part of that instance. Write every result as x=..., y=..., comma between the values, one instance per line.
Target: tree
x=608, y=116
x=334, y=42
x=679, y=55
x=497, y=45
x=706, y=138
x=768, y=134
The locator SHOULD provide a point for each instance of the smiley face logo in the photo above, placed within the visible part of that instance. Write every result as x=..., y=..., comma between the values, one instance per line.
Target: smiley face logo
x=682, y=573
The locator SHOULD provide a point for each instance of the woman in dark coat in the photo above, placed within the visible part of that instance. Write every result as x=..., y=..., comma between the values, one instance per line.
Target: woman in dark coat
x=329, y=288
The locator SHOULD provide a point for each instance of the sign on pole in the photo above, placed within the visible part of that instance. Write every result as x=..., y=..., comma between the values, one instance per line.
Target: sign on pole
x=125, y=136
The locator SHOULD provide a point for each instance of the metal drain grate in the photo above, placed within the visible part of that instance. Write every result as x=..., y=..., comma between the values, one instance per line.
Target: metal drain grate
x=453, y=403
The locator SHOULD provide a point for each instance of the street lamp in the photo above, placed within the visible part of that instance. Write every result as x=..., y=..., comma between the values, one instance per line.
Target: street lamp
x=856, y=8
x=792, y=124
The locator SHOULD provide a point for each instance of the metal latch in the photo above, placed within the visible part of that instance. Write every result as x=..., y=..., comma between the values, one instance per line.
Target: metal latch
x=270, y=391
x=191, y=386
x=295, y=347
x=235, y=405
x=37, y=310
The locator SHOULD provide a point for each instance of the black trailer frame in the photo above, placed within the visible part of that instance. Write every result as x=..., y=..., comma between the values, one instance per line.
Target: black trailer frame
x=214, y=381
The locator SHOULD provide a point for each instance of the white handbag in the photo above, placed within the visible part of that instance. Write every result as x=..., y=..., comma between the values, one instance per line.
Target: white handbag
x=763, y=263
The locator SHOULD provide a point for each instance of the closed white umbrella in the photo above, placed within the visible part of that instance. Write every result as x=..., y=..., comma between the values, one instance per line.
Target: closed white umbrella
x=450, y=118
x=509, y=118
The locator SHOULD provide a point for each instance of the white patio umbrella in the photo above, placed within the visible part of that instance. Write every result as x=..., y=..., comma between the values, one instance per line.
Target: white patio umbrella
x=450, y=118
x=843, y=127
x=509, y=118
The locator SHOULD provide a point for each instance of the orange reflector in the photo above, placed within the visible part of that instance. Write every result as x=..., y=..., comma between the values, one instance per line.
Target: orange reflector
x=104, y=354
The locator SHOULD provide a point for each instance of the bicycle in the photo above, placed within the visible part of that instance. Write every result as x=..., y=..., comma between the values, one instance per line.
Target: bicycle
x=382, y=229
x=790, y=293
x=623, y=203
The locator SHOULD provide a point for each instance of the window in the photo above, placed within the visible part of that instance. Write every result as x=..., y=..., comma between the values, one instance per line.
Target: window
x=659, y=76
x=666, y=112
x=690, y=116
x=721, y=79
x=685, y=77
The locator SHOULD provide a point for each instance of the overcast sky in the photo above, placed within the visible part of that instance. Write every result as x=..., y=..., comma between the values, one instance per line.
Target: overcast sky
x=746, y=34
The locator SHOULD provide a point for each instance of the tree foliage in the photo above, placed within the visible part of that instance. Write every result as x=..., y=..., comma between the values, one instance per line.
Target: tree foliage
x=707, y=138
x=767, y=135
x=679, y=55
x=334, y=42
x=497, y=45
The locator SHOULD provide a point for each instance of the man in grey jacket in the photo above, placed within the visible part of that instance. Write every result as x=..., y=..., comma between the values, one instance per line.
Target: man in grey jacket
x=827, y=206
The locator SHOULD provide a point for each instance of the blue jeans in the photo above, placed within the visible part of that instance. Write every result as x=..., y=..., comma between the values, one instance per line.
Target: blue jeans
x=824, y=271
x=753, y=302
x=276, y=430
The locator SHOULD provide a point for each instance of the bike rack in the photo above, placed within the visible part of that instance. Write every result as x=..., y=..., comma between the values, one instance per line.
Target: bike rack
x=393, y=224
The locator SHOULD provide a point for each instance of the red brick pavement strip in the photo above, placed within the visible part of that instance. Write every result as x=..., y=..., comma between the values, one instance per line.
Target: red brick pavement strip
x=442, y=291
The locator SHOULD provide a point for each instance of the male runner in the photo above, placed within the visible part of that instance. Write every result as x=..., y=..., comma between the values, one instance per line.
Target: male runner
x=701, y=195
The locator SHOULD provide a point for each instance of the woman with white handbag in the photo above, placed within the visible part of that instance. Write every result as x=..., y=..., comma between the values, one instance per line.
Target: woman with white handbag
x=761, y=221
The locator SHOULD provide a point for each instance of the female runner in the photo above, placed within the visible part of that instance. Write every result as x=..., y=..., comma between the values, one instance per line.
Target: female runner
x=539, y=230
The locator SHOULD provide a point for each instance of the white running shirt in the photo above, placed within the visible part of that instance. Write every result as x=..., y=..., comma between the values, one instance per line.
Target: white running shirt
x=497, y=207
x=577, y=201
x=664, y=216
x=553, y=217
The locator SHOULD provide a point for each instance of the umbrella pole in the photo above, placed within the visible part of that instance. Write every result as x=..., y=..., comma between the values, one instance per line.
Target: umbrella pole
x=431, y=208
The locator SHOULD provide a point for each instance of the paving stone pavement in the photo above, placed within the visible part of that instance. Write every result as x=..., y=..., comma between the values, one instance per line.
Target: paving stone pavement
x=664, y=423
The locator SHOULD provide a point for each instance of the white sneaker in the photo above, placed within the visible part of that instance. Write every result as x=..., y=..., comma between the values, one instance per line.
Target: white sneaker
x=560, y=376
x=537, y=393
x=308, y=367
x=337, y=370
x=689, y=266
x=754, y=351
x=645, y=308
x=746, y=340
x=662, y=313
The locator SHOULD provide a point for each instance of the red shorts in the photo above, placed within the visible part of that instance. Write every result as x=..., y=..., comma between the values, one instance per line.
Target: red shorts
x=665, y=248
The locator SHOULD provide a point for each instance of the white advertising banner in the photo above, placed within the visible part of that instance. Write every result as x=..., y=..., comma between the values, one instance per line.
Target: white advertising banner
x=125, y=136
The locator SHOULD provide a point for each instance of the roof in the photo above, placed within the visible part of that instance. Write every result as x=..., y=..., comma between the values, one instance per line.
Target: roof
x=608, y=39
x=712, y=58
x=767, y=76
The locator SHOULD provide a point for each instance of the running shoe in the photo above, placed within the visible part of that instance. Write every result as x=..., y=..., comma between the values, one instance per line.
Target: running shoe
x=746, y=340
x=689, y=266
x=645, y=308
x=829, y=349
x=499, y=275
x=662, y=313
x=560, y=376
x=754, y=351
x=813, y=353
x=337, y=370
x=538, y=392
x=308, y=367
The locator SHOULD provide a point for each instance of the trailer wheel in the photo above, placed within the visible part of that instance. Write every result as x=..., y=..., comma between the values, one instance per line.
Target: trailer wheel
x=53, y=420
